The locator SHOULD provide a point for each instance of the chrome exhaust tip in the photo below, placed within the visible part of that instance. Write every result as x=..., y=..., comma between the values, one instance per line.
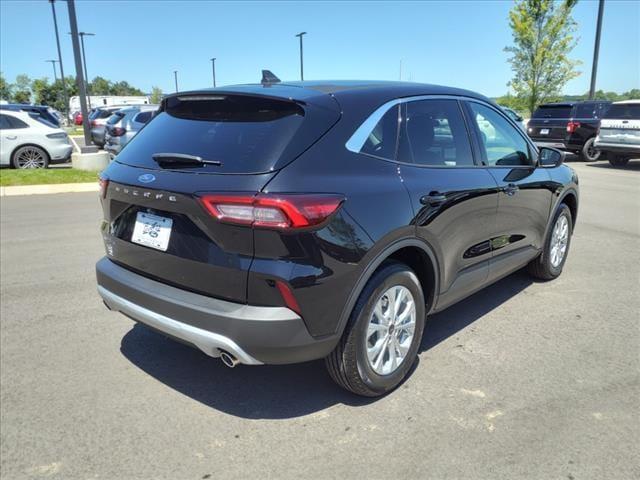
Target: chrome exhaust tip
x=228, y=359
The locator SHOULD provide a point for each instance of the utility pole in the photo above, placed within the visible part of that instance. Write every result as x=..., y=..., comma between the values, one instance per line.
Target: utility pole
x=53, y=63
x=596, y=51
x=73, y=23
x=299, y=35
x=213, y=67
x=64, y=84
x=175, y=77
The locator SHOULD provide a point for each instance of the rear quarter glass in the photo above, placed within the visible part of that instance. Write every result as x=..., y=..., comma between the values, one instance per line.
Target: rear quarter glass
x=247, y=134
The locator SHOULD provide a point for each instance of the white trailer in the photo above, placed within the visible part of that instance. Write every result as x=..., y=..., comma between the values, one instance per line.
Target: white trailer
x=108, y=101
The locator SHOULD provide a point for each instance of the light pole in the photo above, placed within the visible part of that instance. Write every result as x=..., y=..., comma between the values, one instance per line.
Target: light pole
x=64, y=85
x=53, y=63
x=175, y=77
x=299, y=35
x=596, y=50
x=213, y=67
x=79, y=75
x=84, y=59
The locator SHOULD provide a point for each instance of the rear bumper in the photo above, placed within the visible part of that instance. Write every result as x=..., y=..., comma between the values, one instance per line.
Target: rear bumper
x=61, y=151
x=619, y=148
x=253, y=334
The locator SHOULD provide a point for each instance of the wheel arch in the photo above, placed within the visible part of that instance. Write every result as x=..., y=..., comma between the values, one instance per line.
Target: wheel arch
x=415, y=253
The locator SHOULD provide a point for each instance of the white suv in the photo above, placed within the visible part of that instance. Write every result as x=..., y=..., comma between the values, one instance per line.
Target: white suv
x=619, y=134
x=28, y=142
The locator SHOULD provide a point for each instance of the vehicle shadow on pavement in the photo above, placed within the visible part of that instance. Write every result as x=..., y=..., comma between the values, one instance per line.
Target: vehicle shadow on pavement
x=442, y=325
x=633, y=165
x=283, y=391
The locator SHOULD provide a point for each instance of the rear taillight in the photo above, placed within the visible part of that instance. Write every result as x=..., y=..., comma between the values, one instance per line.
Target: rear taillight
x=281, y=211
x=572, y=126
x=104, y=184
x=93, y=123
x=117, y=131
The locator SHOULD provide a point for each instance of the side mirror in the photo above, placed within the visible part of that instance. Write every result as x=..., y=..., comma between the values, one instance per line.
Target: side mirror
x=550, y=157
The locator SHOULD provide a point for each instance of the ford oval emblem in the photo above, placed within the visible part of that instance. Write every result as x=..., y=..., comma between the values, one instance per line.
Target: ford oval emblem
x=147, y=178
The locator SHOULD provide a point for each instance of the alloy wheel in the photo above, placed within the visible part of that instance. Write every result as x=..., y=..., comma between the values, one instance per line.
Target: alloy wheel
x=559, y=240
x=30, y=157
x=391, y=330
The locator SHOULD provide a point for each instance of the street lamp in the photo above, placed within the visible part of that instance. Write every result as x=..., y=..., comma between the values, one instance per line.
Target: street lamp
x=53, y=63
x=64, y=85
x=596, y=50
x=175, y=77
x=84, y=59
x=299, y=35
x=213, y=67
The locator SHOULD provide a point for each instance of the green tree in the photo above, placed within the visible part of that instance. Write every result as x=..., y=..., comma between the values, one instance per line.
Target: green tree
x=156, y=95
x=542, y=40
x=123, y=88
x=100, y=86
x=21, y=90
x=5, y=89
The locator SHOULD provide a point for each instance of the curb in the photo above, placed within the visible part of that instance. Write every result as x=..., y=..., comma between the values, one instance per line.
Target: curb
x=48, y=189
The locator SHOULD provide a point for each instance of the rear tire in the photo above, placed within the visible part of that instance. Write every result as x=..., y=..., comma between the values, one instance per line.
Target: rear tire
x=30, y=156
x=589, y=152
x=618, y=160
x=548, y=265
x=353, y=364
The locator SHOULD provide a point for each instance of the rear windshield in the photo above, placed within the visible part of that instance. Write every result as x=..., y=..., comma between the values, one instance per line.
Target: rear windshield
x=115, y=118
x=247, y=134
x=552, y=111
x=623, y=111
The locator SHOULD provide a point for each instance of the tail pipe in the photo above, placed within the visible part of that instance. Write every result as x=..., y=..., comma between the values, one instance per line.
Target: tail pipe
x=228, y=359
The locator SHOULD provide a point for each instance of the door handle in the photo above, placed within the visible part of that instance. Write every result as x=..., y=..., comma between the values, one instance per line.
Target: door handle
x=11, y=137
x=434, y=198
x=510, y=189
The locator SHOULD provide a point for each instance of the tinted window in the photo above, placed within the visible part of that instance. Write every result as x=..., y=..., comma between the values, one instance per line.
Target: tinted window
x=247, y=134
x=143, y=117
x=16, y=122
x=381, y=142
x=500, y=142
x=434, y=133
x=4, y=122
x=105, y=113
x=552, y=111
x=623, y=111
x=115, y=118
x=587, y=110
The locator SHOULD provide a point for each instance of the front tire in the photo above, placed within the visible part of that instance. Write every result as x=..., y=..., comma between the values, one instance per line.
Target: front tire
x=549, y=264
x=381, y=340
x=30, y=156
x=618, y=161
x=589, y=152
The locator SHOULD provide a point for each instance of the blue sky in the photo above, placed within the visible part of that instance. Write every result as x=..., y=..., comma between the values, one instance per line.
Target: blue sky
x=456, y=43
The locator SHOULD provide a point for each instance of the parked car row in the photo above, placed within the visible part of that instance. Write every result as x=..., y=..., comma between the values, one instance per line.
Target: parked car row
x=30, y=141
x=112, y=127
x=590, y=129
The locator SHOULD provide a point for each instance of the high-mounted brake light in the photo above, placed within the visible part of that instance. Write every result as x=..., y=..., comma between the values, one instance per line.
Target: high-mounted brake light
x=281, y=211
x=572, y=126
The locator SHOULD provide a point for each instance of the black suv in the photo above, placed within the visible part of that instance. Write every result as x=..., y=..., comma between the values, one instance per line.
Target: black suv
x=570, y=126
x=280, y=223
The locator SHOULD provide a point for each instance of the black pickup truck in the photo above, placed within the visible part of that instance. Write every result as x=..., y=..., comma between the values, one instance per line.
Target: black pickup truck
x=570, y=126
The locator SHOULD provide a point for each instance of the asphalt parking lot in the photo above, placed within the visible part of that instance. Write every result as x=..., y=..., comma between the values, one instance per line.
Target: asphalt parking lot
x=522, y=380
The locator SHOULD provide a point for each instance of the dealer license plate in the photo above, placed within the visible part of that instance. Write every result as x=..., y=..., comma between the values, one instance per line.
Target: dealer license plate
x=152, y=231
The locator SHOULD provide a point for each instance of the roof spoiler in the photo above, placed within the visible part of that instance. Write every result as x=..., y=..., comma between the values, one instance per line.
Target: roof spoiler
x=268, y=78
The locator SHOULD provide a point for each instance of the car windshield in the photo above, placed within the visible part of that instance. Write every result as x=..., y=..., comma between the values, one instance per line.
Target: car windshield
x=623, y=111
x=552, y=111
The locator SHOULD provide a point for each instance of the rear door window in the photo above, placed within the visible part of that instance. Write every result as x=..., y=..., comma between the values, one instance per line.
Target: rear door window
x=247, y=134
x=586, y=110
x=434, y=134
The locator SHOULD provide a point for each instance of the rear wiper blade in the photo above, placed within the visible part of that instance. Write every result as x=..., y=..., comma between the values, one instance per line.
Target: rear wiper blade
x=183, y=159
